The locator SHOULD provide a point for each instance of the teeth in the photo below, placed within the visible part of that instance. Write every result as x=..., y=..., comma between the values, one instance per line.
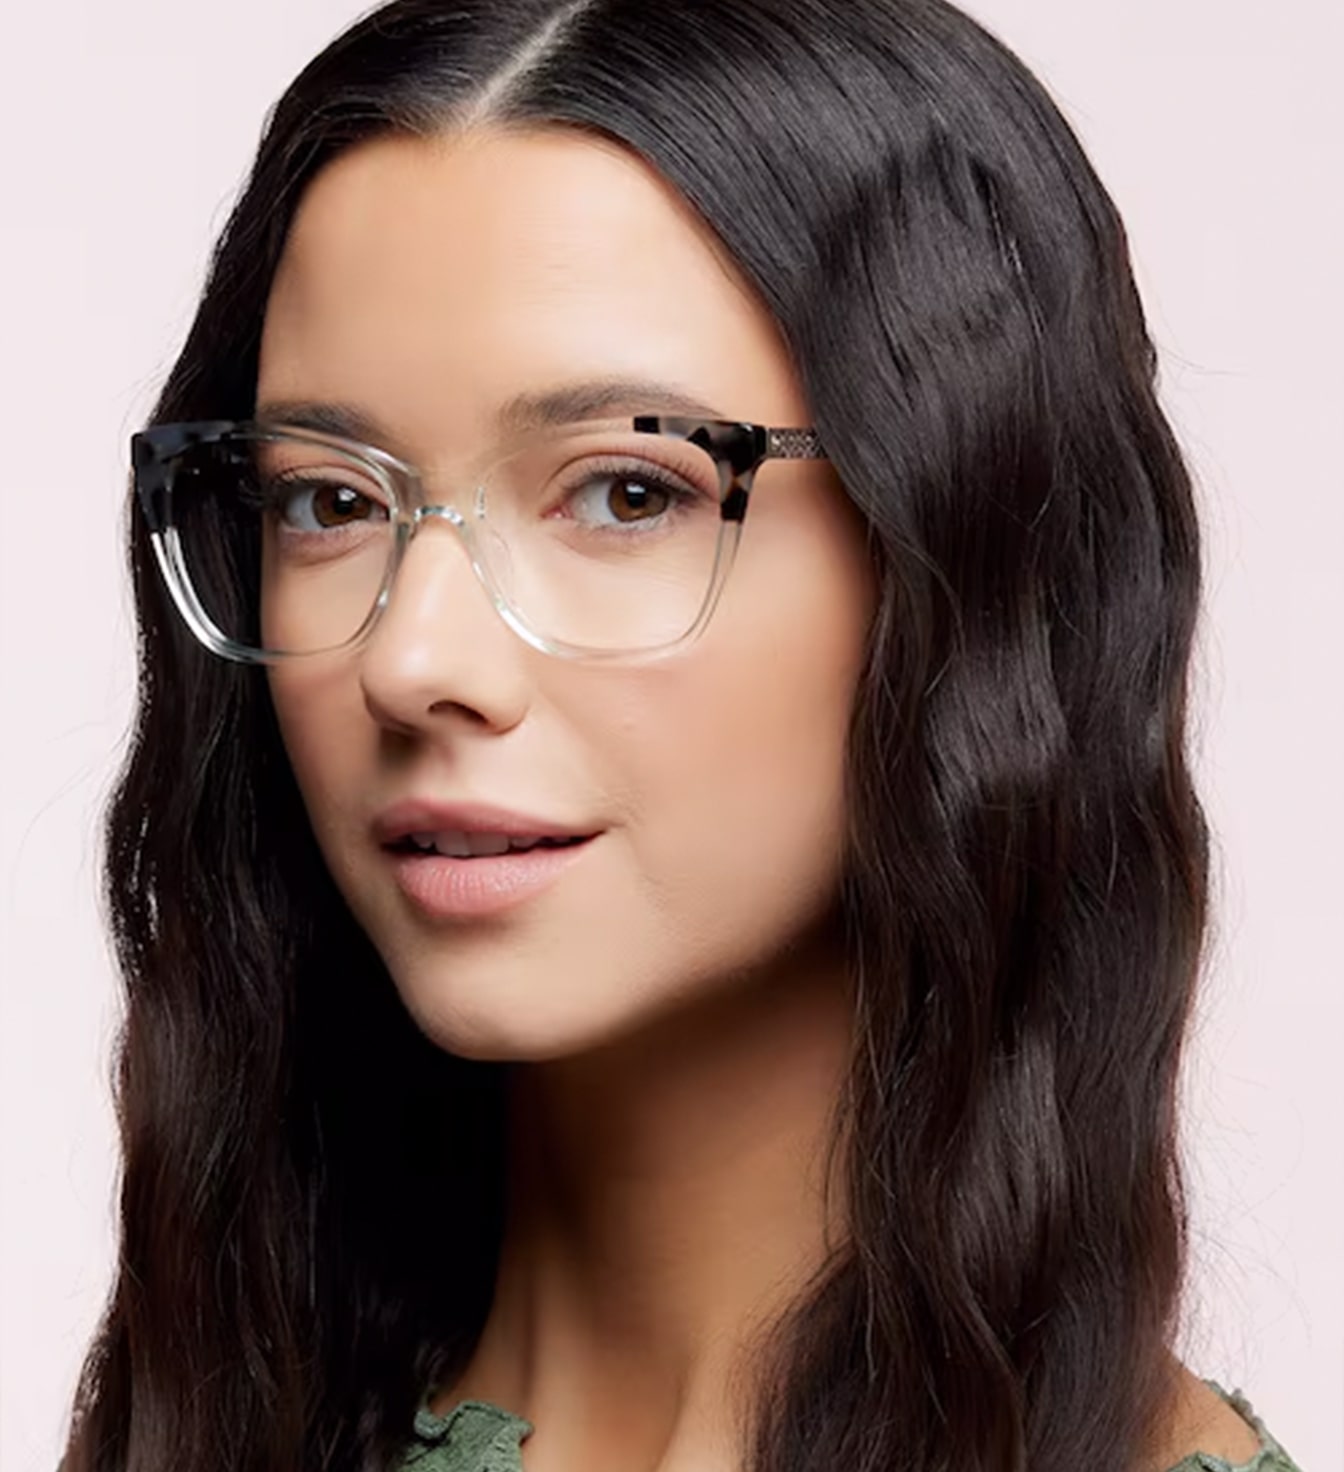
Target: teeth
x=459, y=845
x=455, y=845
x=473, y=845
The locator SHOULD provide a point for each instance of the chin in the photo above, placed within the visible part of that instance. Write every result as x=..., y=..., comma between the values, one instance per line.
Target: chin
x=494, y=1024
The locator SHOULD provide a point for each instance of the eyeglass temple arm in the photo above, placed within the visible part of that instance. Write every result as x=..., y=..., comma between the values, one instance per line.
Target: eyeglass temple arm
x=151, y=451
x=793, y=444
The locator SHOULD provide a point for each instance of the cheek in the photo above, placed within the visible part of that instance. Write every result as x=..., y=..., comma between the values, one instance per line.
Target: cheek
x=310, y=708
x=737, y=759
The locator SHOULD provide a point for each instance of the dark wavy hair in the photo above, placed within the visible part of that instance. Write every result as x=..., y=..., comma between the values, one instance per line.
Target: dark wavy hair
x=1026, y=885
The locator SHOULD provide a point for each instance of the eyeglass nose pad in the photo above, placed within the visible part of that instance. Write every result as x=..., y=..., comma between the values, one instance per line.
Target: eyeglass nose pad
x=486, y=549
x=495, y=552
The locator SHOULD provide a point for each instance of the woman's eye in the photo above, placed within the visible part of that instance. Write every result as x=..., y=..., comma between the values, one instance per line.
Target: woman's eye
x=624, y=498
x=317, y=506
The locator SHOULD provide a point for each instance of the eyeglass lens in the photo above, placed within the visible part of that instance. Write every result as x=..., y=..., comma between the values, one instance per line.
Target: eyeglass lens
x=597, y=537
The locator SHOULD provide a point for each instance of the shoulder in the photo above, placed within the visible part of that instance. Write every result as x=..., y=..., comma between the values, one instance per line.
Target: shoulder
x=1216, y=1430
x=474, y=1436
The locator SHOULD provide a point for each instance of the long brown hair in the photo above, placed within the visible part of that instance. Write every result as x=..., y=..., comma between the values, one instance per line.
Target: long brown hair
x=1025, y=896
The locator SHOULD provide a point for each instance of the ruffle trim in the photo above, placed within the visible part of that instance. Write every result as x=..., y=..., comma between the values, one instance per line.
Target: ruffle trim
x=484, y=1437
x=474, y=1434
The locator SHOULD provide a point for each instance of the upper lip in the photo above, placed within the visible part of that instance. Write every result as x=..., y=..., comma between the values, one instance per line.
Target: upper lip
x=424, y=816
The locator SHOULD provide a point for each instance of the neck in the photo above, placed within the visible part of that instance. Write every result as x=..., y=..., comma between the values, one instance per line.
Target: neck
x=667, y=1196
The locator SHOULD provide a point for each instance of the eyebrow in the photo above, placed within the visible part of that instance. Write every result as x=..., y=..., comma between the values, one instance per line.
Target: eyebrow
x=563, y=404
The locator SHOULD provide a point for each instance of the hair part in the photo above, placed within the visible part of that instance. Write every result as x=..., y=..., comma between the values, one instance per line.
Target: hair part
x=493, y=97
x=1025, y=890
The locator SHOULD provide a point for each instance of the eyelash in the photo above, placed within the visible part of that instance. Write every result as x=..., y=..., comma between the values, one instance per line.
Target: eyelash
x=274, y=493
x=652, y=477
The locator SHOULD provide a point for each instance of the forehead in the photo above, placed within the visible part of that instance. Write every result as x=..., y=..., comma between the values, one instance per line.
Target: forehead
x=430, y=281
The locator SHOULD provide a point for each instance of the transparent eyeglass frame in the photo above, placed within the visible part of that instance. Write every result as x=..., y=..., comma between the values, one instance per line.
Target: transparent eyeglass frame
x=737, y=448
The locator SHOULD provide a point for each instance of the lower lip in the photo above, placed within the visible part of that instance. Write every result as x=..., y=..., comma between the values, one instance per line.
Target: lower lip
x=447, y=888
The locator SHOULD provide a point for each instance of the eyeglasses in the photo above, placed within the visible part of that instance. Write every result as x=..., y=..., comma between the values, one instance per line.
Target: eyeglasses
x=597, y=539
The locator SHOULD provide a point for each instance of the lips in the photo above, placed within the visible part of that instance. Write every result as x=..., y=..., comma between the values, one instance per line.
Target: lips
x=466, y=861
x=469, y=828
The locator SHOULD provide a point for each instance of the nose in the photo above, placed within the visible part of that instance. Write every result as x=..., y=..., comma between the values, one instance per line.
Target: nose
x=440, y=652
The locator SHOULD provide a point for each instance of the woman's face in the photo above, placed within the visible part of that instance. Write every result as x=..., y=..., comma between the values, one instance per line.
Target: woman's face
x=426, y=284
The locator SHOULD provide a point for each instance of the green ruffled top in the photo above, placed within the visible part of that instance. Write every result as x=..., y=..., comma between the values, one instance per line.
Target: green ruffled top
x=476, y=1436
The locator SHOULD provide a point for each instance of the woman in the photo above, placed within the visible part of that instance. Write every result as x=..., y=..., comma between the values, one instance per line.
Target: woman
x=615, y=980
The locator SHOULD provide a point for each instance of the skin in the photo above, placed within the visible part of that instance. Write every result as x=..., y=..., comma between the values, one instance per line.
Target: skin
x=677, y=1005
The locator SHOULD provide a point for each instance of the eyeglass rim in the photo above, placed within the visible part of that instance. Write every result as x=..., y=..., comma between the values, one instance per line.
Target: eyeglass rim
x=155, y=447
